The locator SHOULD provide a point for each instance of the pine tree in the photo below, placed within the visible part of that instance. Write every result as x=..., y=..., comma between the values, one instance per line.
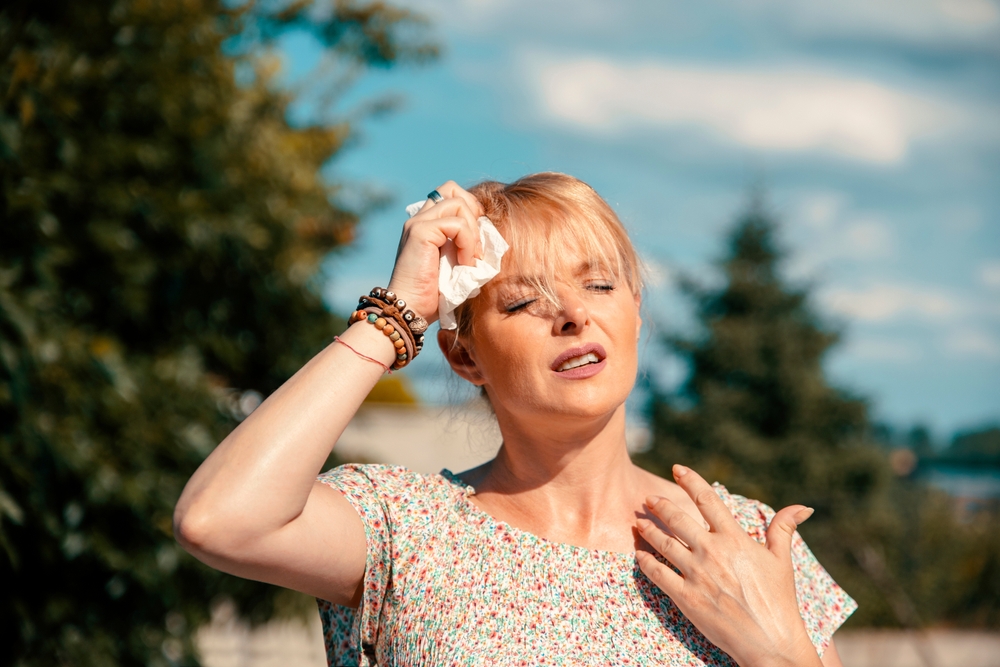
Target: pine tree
x=764, y=419
x=758, y=414
x=162, y=225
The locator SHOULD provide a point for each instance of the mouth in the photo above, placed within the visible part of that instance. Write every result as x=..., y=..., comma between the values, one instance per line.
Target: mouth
x=576, y=362
x=579, y=357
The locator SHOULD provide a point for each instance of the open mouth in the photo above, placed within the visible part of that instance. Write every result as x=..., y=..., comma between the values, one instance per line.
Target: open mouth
x=576, y=362
x=579, y=357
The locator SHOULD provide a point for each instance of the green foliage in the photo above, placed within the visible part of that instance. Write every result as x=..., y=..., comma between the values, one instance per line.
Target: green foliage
x=979, y=445
x=758, y=414
x=161, y=229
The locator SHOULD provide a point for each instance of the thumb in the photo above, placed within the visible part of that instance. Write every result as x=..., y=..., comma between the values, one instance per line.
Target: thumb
x=783, y=526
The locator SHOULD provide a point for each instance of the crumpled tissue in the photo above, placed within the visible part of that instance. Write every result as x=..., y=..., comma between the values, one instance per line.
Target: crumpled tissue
x=457, y=282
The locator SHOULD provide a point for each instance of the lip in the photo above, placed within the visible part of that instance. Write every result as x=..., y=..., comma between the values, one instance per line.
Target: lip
x=581, y=372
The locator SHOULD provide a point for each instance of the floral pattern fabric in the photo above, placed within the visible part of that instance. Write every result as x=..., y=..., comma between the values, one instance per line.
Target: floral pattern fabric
x=447, y=584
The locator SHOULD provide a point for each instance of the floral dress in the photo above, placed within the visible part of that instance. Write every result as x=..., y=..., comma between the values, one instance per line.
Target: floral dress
x=447, y=584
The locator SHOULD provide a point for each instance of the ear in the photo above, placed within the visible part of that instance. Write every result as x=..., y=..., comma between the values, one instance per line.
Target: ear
x=459, y=356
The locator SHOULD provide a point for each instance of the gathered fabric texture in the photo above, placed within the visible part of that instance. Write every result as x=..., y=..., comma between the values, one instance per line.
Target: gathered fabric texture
x=447, y=584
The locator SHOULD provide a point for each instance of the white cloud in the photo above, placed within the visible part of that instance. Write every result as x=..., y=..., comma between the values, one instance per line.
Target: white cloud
x=989, y=274
x=777, y=110
x=925, y=22
x=827, y=235
x=972, y=343
x=867, y=238
x=884, y=302
x=821, y=209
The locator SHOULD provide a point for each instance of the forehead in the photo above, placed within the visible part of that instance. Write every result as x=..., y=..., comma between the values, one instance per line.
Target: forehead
x=569, y=267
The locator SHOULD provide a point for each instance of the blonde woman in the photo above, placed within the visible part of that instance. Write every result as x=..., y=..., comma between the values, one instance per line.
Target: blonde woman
x=559, y=551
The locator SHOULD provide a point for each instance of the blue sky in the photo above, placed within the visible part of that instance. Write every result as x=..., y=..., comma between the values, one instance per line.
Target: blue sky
x=874, y=126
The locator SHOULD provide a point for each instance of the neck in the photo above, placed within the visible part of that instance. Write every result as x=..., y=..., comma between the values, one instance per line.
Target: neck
x=566, y=473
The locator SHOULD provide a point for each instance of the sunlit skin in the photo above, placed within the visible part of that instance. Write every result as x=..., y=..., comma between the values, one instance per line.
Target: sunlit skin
x=525, y=333
x=558, y=431
x=255, y=509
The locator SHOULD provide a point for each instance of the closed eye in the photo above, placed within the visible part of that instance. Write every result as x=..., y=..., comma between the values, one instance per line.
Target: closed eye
x=520, y=305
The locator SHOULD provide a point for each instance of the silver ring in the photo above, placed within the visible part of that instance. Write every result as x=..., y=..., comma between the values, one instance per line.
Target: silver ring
x=434, y=196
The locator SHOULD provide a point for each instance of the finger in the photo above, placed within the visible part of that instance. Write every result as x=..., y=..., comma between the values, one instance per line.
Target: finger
x=453, y=189
x=708, y=501
x=438, y=231
x=457, y=207
x=680, y=523
x=445, y=208
x=669, y=581
x=667, y=545
x=783, y=527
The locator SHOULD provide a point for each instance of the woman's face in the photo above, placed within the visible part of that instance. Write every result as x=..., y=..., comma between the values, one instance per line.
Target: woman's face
x=576, y=358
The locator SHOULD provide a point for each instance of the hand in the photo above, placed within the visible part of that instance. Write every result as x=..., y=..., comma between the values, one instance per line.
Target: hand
x=415, y=275
x=739, y=593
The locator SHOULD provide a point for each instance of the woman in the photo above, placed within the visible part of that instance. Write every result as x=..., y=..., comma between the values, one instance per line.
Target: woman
x=555, y=551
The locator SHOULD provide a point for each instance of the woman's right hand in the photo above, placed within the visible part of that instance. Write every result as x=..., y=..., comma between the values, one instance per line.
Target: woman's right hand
x=415, y=275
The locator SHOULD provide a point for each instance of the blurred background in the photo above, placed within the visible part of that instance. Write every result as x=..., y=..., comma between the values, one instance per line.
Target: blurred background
x=195, y=192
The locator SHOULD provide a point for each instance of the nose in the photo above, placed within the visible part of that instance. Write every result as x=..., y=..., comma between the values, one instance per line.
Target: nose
x=573, y=316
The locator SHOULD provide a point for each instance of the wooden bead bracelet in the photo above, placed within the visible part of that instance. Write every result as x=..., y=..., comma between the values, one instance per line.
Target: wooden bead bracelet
x=403, y=345
x=389, y=315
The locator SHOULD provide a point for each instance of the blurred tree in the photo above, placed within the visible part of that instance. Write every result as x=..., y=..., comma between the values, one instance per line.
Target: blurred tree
x=919, y=440
x=758, y=414
x=982, y=445
x=161, y=229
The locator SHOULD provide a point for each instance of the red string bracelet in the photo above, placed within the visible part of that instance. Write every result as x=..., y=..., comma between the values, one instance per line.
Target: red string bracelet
x=363, y=356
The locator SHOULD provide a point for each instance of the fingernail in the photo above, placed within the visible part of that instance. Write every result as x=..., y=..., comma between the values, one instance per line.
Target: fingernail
x=804, y=514
x=643, y=524
x=680, y=471
x=652, y=500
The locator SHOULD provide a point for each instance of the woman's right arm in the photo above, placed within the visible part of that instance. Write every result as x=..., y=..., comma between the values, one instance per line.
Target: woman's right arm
x=254, y=507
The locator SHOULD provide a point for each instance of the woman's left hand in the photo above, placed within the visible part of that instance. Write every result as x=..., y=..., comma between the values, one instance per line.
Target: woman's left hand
x=739, y=593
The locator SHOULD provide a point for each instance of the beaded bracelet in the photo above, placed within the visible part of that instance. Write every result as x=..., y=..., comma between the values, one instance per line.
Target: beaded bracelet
x=403, y=344
x=410, y=325
x=405, y=329
x=396, y=308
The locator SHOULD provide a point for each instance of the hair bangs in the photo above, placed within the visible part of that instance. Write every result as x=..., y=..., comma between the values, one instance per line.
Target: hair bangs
x=548, y=220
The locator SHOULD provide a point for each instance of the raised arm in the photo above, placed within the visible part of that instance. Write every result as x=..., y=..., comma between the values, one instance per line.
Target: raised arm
x=253, y=508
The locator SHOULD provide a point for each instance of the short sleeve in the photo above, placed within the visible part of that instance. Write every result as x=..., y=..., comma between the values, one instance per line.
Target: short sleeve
x=350, y=634
x=823, y=604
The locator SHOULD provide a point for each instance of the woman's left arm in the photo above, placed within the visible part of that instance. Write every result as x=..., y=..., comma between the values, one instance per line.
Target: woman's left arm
x=739, y=593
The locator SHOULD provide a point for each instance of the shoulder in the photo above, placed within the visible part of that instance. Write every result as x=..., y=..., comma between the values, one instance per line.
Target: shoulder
x=382, y=477
x=393, y=493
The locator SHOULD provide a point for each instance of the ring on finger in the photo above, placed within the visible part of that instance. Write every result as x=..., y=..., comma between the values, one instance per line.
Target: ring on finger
x=434, y=196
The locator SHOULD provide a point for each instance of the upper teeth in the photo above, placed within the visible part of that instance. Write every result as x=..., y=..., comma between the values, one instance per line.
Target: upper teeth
x=589, y=358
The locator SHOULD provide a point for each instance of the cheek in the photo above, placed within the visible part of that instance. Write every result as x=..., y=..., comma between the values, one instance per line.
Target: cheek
x=511, y=360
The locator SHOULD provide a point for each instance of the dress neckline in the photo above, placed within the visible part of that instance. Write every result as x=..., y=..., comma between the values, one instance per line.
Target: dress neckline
x=498, y=525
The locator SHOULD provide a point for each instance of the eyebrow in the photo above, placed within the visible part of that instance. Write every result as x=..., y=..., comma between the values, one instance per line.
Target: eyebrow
x=582, y=269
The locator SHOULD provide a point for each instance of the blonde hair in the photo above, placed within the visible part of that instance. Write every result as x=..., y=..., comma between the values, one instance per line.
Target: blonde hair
x=541, y=216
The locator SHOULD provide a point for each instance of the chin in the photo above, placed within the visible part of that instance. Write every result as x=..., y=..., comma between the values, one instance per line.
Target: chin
x=589, y=402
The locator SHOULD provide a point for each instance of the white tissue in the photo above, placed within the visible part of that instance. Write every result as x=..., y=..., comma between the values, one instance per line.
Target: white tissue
x=457, y=282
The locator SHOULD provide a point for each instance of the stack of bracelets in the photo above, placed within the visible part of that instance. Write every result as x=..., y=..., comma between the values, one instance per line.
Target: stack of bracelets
x=403, y=327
